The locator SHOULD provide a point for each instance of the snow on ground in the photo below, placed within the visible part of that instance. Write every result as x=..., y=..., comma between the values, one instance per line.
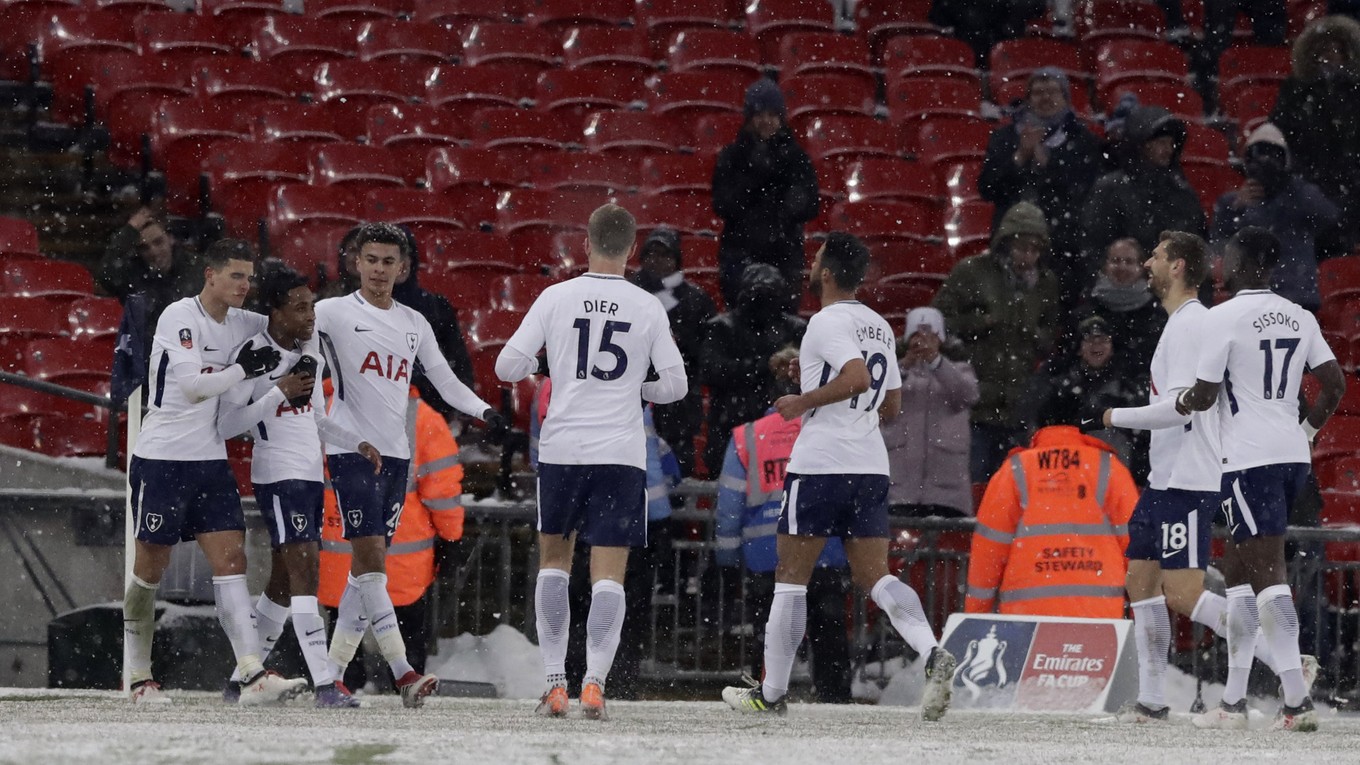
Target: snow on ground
x=91, y=726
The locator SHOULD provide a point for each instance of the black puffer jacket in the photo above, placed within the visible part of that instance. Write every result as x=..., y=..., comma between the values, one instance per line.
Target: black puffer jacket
x=443, y=318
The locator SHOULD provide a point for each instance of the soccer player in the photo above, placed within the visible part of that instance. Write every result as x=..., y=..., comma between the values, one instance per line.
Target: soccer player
x=285, y=414
x=837, y=479
x=1254, y=350
x=182, y=487
x=372, y=344
x=609, y=345
x=1170, y=530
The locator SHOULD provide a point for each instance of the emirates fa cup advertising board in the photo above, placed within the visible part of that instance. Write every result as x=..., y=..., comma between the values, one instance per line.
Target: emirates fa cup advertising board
x=1039, y=663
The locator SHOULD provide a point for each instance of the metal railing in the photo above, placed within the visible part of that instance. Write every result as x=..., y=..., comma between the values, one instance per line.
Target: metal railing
x=103, y=402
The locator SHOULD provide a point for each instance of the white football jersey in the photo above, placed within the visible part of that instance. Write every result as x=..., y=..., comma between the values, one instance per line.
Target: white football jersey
x=287, y=444
x=844, y=437
x=1258, y=345
x=371, y=352
x=1184, y=457
x=175, y=428
x=601, y=334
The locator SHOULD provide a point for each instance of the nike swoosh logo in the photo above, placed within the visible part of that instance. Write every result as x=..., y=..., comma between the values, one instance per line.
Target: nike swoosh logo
x=362, y=329
x=1169, y=554
x=206, y=349
x=1084, y=423
x=313, y=632
x=275, y=377
x=380, y=619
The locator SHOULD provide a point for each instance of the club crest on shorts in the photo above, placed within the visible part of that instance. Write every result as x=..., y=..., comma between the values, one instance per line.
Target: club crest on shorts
x=299, y=522
x=186, y=338
x=412, y=339
x=354, y=518
x=154, y=521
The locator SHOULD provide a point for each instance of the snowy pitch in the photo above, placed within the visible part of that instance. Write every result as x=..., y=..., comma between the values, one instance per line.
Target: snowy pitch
x=92, y=726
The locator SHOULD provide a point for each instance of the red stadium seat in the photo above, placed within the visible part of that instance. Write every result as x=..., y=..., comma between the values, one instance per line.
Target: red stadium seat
x=1205, y=143
x=290, y=123
x=458, y=15
x=688, y=95
x=24, y=318
x=181, y=137
x=494, y=327
x=76, y=364
x=960, y=181
x=684, y=213
x=1012, y=60
x=302, y=43
x=677, y=173
x=406, y=43
x=968, y=228
x=929, y=56
x=298, y=207
x=933, y=96
x=60, y=436
x=1178, y=98
x=119, y=77
x=768, y=20
x=881, y=20
x=1252, y=105
x=489, y=42
x=87, y=33
x=633, y=131
x=351, y=164
x=485, y=85
x=1339, y=277
x=716, y=130
x=828, y=94
x=45, y=278
x=896, y=298
x=423, y=211
x=611, y=173
x=348, y=88
x=353, y=10
x=312, y=252
x=558, y=15
x=619, y=50
x=918, y=261
x=1244, y=65
x=409, y=131
x=231, y=84
x=181, y=38
x=241, y=176
x=18, y=237
x=849, y=138
x=805, y=53
x=521, y=209
x=1211, y=181
x=883, y=222
x=244, y=8
x=467, y=252
x=890, y=179
x=1338, y=438
x=577, y=91
x=1340, y=473
x=23, y=404
x=1340, y=508
x=713, y=50
x=515, y=292
x=1099, y=19
x=944, y=139
x=95, y=319
x=498, y=127
x=700, y=254
x=1121, y=60
x=459, y=168
x=662, y=18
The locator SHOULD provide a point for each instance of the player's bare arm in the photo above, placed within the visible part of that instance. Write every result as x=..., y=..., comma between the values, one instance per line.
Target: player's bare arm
x=1333, y=382
x=1200, y=397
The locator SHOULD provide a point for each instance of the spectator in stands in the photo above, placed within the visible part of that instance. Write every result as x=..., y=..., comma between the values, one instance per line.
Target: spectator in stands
x=688, y=307
x=1315, y=110
x=928, y=442
x=1176, y=30
x=1096, y=381
x=143, y=256
x=1046, y=156
x=983, y=25
x=346, y=279
x=443, y=318
x=1147, y=196
x=764, y=189
x=734, y=356
x=750, y=498
x=1294, y=210
x=1121, y=297
x=1003, y=306
x=1051, y=533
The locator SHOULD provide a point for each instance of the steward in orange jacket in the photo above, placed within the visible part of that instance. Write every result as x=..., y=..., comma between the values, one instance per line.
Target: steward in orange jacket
x=1051, y=530
x=432, y=510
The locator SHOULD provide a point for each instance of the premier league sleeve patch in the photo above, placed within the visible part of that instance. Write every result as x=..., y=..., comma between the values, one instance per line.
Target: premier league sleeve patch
x=186, y=338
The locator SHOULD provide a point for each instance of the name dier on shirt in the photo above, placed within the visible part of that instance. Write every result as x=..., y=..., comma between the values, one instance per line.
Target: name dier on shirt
x=601, y=306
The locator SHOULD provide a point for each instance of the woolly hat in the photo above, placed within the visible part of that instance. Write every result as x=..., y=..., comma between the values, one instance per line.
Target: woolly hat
x=924, y=317
x=763, y=96
x=1023, y=218
x=1267, y=133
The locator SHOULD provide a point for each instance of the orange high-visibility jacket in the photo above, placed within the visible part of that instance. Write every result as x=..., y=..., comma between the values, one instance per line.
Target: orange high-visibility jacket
x=1052, y=529
x=432, y=509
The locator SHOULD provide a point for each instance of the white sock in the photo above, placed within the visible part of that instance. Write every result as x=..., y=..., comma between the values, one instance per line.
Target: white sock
x=1243, y=624
x=350, y=623
x=1152, y=635
x=1211, y=611
x=270, y=618
x=1280, y=621
x=310, y=629
x=903, y=606
x=139, y=627
x=553, y=608
x=604, y=625
x=783, y=634
x=382, y=617
x=235, y=614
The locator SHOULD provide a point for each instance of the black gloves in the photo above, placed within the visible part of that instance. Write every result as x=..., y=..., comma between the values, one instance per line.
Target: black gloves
x=306, y=366
x=1092, y=417
x=256, y=361
x=497, y=426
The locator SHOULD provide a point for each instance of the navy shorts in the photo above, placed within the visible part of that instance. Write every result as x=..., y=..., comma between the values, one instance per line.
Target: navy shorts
x=370, y=505
x=1173, y=527
x=173, y=501
x=292, y=510
x=1256, y=501
x=835, y=505
x=605, y=504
